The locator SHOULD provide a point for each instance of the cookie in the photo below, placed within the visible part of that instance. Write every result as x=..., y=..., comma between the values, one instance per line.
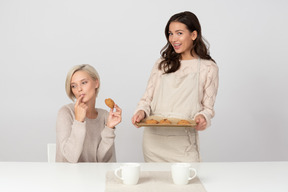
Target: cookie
x=183, y=122
x=151, y=121
x=110, y=103
x=165, y=121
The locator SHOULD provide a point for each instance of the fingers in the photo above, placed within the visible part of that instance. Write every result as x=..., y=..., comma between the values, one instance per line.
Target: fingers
x=80, y=104
x=201, y=127
x=201, y=123
x=80, y=109
x=118, y=109
x=114, y=117
x=138, y=117
x=79, y=100
x=135, y=119
x=117, y=113
x=83, y=106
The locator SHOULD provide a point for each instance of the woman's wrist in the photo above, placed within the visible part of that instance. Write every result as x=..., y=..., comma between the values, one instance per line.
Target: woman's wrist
x=109, y=126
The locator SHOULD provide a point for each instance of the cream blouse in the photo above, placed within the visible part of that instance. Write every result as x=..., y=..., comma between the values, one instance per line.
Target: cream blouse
x=208, y=86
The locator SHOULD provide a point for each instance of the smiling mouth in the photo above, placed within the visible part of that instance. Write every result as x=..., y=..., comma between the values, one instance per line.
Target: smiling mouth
x=176, y=46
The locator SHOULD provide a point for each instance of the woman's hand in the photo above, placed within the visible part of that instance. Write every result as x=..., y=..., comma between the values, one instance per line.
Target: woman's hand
x=138, y=117
x=80, y=109
x=201, y=122
x=114, y=118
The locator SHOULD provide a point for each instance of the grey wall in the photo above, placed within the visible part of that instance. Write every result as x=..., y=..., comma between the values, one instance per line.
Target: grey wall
x=41, y=40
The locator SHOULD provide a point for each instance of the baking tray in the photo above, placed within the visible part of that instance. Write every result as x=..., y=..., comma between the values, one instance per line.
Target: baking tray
x=158, y=118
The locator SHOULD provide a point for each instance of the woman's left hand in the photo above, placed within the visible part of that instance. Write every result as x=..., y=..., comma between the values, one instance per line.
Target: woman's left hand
x=201, y=122
x=114, y=118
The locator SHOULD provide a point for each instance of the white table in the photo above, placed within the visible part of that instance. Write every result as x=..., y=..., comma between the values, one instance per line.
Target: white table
x=88, y=177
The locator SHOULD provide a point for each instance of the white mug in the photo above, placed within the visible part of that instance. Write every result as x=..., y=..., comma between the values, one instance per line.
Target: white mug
x=181, y=173
x=129, y=173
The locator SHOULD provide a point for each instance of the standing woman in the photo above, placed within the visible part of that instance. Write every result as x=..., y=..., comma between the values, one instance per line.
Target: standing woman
x=85, y=133
x=183, y=84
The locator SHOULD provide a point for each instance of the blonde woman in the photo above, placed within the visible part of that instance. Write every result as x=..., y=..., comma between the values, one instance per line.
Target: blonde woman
x=85, y=133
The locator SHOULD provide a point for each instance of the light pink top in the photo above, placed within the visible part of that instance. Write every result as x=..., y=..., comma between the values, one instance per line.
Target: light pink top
x=208, y=86
x=90, y=141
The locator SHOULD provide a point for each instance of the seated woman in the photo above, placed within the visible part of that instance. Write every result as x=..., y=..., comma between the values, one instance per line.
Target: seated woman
x=85, y=133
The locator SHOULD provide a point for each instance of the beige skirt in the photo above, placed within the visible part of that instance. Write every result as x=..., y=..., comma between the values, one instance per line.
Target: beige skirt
x=170, y=144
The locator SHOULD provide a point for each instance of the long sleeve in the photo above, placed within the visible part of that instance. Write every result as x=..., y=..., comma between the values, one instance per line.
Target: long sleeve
x=70, y=136
x=90, y=141
x=210, y=83
x=106, y=149
x=145, y=102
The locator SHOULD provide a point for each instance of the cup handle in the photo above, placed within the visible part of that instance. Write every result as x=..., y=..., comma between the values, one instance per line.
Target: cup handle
x=195, y=173
x=116, y=173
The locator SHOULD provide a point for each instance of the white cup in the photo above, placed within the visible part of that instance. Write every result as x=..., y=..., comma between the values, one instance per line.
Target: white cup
x=129, y=173
x=181, y=173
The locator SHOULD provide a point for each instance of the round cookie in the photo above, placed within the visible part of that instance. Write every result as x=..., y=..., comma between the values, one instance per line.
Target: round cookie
x=151, y=121
x=183, y=122
x=110, y=103
x=165, y=121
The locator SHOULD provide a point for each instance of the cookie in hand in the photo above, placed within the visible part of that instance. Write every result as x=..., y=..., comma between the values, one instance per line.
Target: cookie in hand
x=110, y=103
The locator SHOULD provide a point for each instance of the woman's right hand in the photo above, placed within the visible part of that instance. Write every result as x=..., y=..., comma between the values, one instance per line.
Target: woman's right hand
x=80, y=109
x=138, y=117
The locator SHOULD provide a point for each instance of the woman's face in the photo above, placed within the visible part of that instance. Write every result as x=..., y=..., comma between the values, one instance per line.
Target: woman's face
x=83, y=84
x=181, y=39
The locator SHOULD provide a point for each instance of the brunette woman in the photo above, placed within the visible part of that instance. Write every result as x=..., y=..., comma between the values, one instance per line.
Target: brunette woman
x=183, y=84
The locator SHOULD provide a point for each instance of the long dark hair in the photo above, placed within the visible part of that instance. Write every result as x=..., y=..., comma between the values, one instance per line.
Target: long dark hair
x=171, y=59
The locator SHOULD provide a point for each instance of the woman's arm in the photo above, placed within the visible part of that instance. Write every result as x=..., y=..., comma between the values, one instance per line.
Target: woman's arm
x=144, y=106
x=106, y=149
x=209, y=96
x=70, y=136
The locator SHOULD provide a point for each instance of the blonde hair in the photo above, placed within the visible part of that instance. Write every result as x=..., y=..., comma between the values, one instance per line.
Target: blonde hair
x=83, y=67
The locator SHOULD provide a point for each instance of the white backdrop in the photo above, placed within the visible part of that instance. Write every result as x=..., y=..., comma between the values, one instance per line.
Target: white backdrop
x=41, y=40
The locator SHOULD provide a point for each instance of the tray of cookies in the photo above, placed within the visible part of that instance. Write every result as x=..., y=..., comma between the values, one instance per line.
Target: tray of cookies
x=157, y=121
